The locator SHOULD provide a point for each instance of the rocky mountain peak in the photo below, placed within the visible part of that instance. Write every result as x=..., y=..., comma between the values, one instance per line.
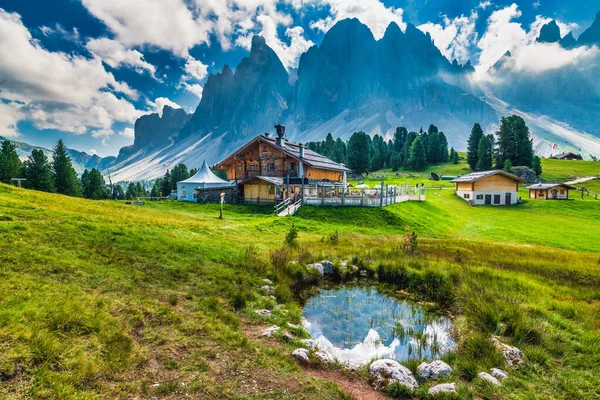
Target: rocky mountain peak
x=568, y=41
x=550, y=33
x=153, y=130
x=591, y=35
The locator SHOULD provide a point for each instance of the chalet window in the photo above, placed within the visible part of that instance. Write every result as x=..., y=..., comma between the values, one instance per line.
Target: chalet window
x=496, y=199
x=479, y=197
x=562, y=192
x=292, y=165
x=239, y=168
x=252, y=167
x=264, y=148
x=466, y=196
x=272, y=166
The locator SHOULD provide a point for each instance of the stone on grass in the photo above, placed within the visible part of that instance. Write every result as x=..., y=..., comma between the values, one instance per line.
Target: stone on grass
x=263, y=313
x=324, y=357
x=363, y=273
x=512, y=355
x=327, y=267
x=318, y=267
x=270, y=330
x=301, y=355
x=498, y=373
x=268, y=288
x=487, y=377
x=442, y=388
x=351, y=366
x=267, y=281
x=433, y=370
x=288, y=336
x=386, y=371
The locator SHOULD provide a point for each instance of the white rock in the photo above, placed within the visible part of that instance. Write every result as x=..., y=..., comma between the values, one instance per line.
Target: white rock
x=293, y=326
x=301, y=355
x=318, y=267
x=487, y=377
x=433, y=370
x=267, y=281
x=389, y=371
x=263, y=313
x=268, y=288
x=512, y=355
x=270, y=330
x=498, y=373
x=442, y=388
x=288, y=336
x=351, y=365
x=363, y=273
x=324, y=357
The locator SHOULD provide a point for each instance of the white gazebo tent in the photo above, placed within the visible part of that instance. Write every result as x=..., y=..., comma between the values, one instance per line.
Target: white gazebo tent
x=203, y=179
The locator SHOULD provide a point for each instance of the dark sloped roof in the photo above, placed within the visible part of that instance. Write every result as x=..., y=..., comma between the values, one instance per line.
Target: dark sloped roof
x=269, y=179
x=292, y=149
x=549, y=185
x=475, y=176
x=311, y=158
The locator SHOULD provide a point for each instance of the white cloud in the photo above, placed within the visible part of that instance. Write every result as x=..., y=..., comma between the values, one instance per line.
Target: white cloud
x=455, y=37
x=504, y=34
x=195, y=69
x=167, y=24
x=128, y=133
x=56, y=90
x=536, y=4
x=116, y=55
x=159, y=103
x=484, y=4
x=93, y=152
x=194, y=89
x=10, y=115
x=372, y=13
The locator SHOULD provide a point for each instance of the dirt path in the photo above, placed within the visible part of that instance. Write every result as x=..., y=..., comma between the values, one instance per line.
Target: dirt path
x=581, y=180
x=355, y=387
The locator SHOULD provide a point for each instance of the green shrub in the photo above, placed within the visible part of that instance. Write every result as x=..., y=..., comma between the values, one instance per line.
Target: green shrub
x=466, y=369
x=399, y=391
x=291, y=238
x=436, y=286
x=334, y=238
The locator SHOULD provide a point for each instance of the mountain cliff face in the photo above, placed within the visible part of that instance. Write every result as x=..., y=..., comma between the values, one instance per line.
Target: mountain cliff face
x=591, y=35
x=351, y=82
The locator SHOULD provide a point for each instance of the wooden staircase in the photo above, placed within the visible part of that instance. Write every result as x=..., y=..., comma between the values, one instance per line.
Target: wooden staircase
x=286, y=207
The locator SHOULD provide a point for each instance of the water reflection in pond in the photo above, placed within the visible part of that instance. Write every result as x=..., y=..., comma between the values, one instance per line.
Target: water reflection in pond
x=359, y=324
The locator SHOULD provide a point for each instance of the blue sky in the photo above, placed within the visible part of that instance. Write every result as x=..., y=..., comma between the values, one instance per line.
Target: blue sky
x=84, y=70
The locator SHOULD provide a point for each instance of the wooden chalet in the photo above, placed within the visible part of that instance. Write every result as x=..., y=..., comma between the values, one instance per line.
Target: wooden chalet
x=269, y=170
x=567, y=156
x=494, y=187
x=550, y=191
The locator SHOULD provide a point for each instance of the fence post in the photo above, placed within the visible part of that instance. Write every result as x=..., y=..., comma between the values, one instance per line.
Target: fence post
x=362, y=197
x=343, y=195
x=302, y=194
x=322, y=194
x=381, y=196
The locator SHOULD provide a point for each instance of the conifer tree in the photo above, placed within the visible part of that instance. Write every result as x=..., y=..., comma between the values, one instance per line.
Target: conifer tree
x=10, y=164
x=418, y=157
x=473, y=146
x=359, y=157
x=93, y=185
x=484, y=154
x=536, y=165
x=65, y=178
x=178, y=173
x=514, y=143
x=166, y=184
x=507, y=165
x=38, y=172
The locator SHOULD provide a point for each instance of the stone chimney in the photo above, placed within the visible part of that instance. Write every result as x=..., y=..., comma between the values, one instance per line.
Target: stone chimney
x=280, y=141
x=301, y=150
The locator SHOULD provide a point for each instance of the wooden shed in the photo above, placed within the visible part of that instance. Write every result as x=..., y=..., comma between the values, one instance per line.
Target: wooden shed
x=549, y=191
x=494, y=187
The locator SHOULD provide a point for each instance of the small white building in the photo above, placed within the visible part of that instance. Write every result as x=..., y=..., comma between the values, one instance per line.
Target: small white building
x=203, y=179
x=494, y=187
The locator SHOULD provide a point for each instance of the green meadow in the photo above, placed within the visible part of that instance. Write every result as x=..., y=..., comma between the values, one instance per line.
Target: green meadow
x=100, y=299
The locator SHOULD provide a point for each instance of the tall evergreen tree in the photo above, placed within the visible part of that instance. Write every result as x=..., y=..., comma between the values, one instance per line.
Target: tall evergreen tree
x=453, y=156
x=338, y=154
x=405, y=153
x=119, y=191
x=433, y=147
x=484, y=154
x=10, y=164
x=514, y=143
x=418, y=156
x=328, y=144
x=93, y=185
x=38, y=172
x=536, y=165
x=507, y=165
x=166, y=184
x=359, y=157
x=132, y=191
x=65, y=178
x=473, y=145
x=178, y=173
x=399, y=138
x=443, y=147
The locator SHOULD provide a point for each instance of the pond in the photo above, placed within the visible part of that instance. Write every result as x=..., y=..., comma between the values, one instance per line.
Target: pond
x=360, y=323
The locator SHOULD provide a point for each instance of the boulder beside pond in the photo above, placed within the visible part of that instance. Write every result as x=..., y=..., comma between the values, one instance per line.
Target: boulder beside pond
x=317, y=267
x=488, y=378
x=327, y=267
x=386, y=371
x=433, y=370
x=442, y=388
x=512, y=355
x=301, y=355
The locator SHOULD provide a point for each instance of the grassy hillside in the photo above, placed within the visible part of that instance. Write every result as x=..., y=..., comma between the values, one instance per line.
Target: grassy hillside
x=106, y=300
